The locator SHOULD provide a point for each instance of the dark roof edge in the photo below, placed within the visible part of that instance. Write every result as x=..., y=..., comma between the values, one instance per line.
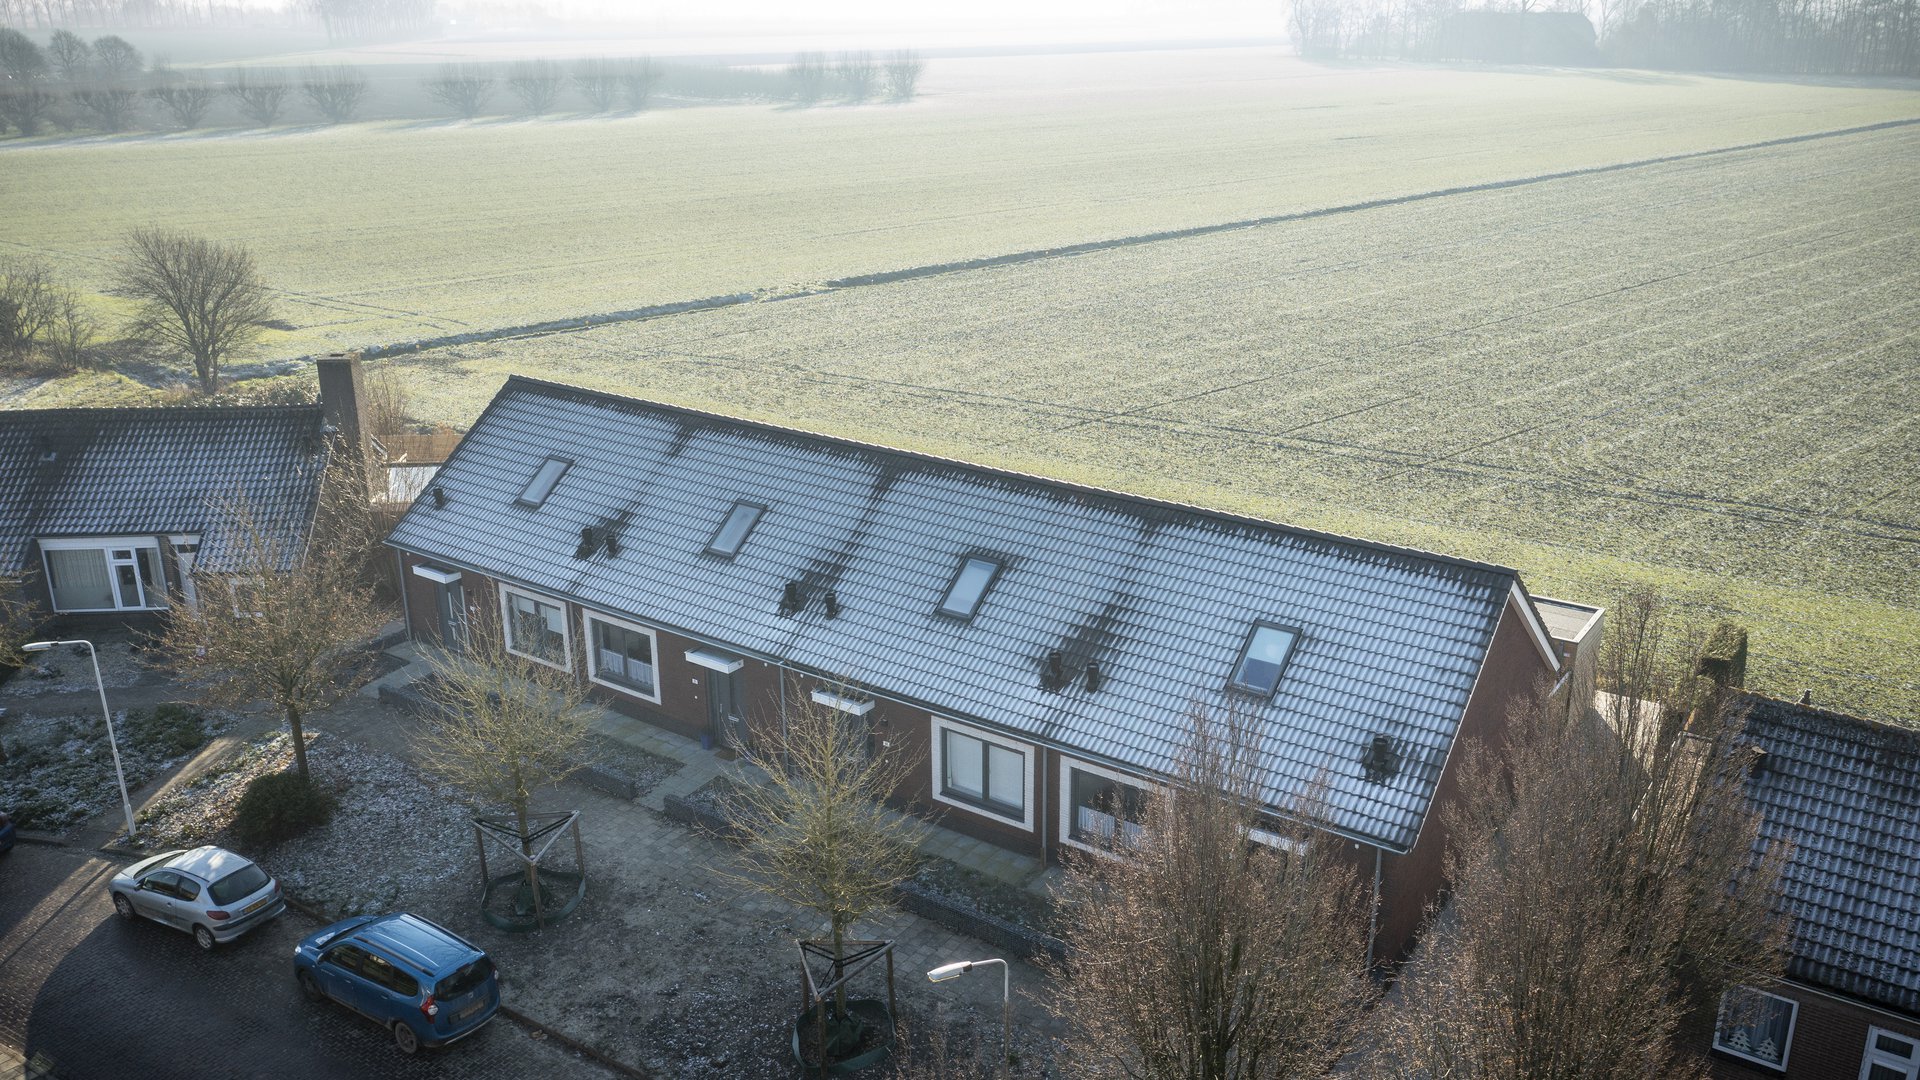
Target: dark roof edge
x=1008, y=474
x=930, y=708
x=1808, y=984
x=136, y=411
x=1748, y=700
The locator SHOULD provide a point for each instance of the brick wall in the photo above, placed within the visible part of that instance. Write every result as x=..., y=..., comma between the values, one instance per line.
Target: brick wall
x=1829, y=1038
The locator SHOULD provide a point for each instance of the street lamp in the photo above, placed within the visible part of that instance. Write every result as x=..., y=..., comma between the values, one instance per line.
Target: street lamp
x=126, y=804
x=954, y=971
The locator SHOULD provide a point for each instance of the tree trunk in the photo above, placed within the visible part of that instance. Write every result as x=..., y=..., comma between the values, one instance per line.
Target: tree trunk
x=839, y=956
x=520, y=800
x=299, y=740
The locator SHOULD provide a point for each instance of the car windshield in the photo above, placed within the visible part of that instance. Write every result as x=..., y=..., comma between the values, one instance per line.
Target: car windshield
x=245, y=881
x=464, y=980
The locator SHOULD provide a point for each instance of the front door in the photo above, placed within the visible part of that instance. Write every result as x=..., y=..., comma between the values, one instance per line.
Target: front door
x=450, y=601
x=723, y=709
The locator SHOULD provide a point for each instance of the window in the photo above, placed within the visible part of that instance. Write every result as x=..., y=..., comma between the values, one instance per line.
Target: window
x=347, y=957
x=1264, y=658
x=544, y=478
x=536, y=628
x=1756, y=1026
x=239, y=885
x=1100, y=807
x=162, y=883
x=471, y=975
x=734, y=528
x=120, y=574
x=968, y=587
x=382, y=973
x=979, y=771
x=1890, y=1056
x=185, y=888
x=621, y=655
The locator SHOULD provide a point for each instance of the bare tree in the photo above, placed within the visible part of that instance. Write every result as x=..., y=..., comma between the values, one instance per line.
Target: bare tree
x=1626, y=840
x=536, y=83
x=260, y=95
x=462, y=88
x=817, y=833
x=20, y=59
x=71, y=333
x=195, y=296
x=71, y=56
x=859, y=74
x=903, y=71
x=28, y=302
x=1198, y=952
x=808, y=75
x=334, y=92
x=640, y=76
x=598, y=83
x=115, y=60
x=292, y=612
x=19, y=617
x=187, y=101
x=506, y=726
x=111, y=106
x=27, y=108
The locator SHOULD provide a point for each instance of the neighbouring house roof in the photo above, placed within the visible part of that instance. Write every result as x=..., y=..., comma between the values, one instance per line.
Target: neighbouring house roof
x=117, y=472
x=1846, y=793
x=1162, y=596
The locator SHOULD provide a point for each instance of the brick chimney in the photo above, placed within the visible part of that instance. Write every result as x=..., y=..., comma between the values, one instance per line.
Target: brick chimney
x=343, y=393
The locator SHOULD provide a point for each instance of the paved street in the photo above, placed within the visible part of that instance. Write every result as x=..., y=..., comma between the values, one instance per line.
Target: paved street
x=92, y=996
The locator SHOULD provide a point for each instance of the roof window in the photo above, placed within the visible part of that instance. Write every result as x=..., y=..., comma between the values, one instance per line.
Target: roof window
x=733, y=531
x=544, y=479
x=968, y=587
x=1264, y=658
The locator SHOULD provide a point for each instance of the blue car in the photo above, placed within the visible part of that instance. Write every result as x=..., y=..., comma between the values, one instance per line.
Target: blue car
x=422, y=982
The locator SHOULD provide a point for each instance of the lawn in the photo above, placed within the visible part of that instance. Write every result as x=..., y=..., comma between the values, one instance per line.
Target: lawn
x=385, y=232
x=1699, y=376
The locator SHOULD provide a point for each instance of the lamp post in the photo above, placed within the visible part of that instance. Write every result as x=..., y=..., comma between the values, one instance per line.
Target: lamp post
x=99, y=683
x=955, y=970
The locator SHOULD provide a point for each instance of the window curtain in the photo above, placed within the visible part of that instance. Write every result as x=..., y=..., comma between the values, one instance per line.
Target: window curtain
x=80, y=579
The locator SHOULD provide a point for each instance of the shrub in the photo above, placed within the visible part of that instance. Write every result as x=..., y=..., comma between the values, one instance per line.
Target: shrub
x=167, y=730
x=280, y=806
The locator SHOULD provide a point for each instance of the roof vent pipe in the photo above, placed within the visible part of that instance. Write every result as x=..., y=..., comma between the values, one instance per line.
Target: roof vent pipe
x=439, y=498
x=1056, y=672
x=1093, y=676
x=1806, y=697
x=833, y=605
x=790, y=599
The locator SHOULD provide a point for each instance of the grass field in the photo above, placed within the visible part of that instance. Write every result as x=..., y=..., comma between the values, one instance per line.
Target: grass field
x=380, y=233
x=1700, y=376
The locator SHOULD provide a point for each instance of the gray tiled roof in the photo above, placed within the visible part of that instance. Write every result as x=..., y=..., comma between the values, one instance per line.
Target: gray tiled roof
x=110, y=472
x=1162, y=595
x=1846, y=793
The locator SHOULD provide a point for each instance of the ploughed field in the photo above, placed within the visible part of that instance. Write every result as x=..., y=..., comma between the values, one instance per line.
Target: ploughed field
x=394, y=231
x=1701, y=375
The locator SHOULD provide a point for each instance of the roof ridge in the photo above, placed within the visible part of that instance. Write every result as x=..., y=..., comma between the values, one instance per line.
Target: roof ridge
x=1398, y=550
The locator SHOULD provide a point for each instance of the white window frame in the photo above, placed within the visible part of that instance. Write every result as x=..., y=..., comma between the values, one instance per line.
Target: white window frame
x=1067, y=767
x=589, y=617
x=1793, y=1022
x=233, y=595
x=1876, y=1056
x=937, y=758
x=566, y=626
x=105, y=545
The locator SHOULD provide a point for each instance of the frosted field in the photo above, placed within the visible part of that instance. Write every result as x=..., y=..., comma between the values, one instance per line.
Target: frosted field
x=1702, y=375
x=378, y=233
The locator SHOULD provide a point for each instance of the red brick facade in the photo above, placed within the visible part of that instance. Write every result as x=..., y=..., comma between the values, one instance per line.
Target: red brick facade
x=1830, y=1038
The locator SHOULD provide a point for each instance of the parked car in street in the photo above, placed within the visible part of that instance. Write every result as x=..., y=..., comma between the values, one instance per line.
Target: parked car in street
x=209, y=892
x=7, y=832
x=424, y=983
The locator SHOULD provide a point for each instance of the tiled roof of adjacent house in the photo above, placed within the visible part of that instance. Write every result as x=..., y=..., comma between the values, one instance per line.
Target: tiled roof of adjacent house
x=1162, y=596
x=115, y=472
x=1846, y=793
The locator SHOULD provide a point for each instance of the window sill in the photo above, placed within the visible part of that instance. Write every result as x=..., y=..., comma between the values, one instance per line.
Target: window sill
x=1015, y=816
x=626, y=689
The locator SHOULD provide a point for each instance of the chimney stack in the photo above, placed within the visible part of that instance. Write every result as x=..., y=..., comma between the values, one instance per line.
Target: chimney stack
x=343, y=395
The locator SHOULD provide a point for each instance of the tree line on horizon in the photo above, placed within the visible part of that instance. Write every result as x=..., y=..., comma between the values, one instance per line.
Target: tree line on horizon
x=1794, y=37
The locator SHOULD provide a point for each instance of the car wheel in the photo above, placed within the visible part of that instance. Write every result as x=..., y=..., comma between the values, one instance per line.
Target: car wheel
x=404, y=1037
x=203, y=937
x=122, y=906
x=310, y=987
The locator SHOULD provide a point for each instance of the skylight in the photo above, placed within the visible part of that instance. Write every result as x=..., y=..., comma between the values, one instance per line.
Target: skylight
x=544, y=478
x=1264, y=658
x=734, y=529
x=968, y=587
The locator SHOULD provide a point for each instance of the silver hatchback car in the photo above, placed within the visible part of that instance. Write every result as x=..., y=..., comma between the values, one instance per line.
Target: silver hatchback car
x=209, y=892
